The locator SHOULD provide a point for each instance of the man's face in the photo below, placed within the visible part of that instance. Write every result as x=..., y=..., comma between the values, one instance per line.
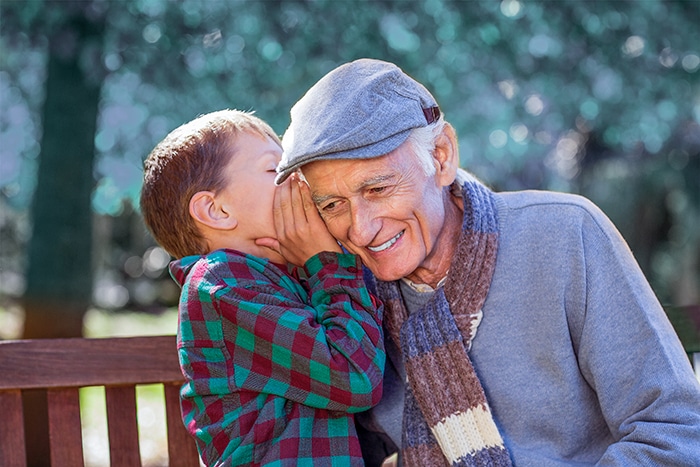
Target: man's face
x=385, y=210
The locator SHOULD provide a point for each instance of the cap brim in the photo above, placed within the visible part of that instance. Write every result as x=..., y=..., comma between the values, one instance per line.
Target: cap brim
x=365, y=152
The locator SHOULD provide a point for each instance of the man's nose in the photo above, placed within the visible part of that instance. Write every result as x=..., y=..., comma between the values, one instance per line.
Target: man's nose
x=364, y=224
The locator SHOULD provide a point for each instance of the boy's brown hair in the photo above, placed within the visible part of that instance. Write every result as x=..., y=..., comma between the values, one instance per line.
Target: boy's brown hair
x=191, y=159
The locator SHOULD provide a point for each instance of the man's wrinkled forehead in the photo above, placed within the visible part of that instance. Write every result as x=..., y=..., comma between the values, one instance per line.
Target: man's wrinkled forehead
x=321, y=197
x=341, y=178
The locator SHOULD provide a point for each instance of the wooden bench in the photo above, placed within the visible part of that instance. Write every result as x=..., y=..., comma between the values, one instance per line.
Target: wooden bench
x=61, y=367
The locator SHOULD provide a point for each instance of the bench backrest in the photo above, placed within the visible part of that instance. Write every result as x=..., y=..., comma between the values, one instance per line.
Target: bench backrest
x=62, y=366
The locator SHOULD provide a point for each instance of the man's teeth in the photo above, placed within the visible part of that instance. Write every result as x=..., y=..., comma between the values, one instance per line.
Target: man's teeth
x=385, y=245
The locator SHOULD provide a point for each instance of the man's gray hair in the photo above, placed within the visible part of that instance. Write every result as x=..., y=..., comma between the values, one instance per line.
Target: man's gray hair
x=422, y=140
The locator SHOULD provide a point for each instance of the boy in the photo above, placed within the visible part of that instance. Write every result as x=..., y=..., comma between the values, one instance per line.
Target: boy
x=275, y=366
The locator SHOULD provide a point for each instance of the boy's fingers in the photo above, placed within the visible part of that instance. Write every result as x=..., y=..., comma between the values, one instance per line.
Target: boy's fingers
x=306, y=198
x=282, y=208
x=313, y=217
x=268, y=242
x=298, y=208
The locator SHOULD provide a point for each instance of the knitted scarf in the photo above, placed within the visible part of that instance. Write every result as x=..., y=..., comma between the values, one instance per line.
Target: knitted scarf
x=447, y=420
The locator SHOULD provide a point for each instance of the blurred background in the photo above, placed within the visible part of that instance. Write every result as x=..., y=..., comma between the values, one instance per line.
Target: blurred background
x=600, y=98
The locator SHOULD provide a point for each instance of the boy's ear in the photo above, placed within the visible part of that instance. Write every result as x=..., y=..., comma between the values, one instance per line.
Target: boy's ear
x=206, y=209
x=446, y=155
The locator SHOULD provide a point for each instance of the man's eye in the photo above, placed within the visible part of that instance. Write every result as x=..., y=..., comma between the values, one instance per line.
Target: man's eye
x=330, y=206
x=377, y=189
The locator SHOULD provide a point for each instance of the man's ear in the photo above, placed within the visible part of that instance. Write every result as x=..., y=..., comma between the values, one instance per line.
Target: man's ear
x=206, y=209
x=446, y=156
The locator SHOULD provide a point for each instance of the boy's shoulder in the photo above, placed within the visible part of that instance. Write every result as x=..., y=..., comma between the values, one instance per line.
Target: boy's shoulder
x=240, y=275
x=226, y=264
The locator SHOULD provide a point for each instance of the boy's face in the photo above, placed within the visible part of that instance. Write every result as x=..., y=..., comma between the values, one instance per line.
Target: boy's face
x=250, y=192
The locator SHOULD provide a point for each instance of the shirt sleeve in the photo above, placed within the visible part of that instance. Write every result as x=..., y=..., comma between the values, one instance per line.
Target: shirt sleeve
x=631, y=356
x=321, y=346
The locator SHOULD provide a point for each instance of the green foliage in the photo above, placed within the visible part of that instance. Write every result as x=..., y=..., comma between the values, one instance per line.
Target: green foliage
x=512, y=77
x=543, y=94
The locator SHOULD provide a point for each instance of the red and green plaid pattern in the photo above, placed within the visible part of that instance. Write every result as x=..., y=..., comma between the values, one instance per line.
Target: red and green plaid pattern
x=275, y=367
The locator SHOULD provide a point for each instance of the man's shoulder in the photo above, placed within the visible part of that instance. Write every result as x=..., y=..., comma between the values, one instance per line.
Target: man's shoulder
x=552, y=211
x=535, y=198
x=540, y=203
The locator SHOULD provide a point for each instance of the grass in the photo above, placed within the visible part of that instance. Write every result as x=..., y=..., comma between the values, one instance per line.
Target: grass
x=151, y=422
x=100, y=323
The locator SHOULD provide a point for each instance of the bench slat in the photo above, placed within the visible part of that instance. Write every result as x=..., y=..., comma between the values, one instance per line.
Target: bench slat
x=53, y=363
x=65, y=432
x=122, y=426
x=11, y=429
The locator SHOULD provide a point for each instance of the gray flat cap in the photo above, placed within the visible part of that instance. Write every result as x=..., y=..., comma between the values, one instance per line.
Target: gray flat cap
x=360, y=110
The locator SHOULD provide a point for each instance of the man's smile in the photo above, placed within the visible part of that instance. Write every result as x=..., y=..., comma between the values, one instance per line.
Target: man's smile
x=385, y=245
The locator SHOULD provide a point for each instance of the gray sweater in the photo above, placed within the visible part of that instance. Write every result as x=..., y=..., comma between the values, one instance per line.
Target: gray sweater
x=577, y=358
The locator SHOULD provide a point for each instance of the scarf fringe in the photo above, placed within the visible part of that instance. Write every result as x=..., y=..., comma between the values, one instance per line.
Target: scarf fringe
x=447, y=390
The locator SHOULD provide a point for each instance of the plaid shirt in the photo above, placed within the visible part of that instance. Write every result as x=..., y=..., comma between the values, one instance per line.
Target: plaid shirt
x=276, y=366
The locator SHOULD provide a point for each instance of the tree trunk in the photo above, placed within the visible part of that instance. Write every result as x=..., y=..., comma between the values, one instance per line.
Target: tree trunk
x=59, y=275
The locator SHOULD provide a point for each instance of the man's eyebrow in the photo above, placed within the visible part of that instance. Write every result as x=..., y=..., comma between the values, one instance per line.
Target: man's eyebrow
x=377, y=180
x=320, y=199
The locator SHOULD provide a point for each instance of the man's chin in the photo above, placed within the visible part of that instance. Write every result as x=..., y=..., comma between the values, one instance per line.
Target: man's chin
x=388, y=275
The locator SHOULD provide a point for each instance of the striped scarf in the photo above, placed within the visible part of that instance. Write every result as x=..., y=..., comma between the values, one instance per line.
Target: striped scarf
x=447, y=420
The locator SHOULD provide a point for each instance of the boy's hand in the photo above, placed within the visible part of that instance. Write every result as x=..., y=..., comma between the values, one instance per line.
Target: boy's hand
x=301, y=233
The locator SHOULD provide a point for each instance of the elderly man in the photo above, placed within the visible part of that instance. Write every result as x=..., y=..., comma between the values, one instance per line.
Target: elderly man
x=521, y=328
